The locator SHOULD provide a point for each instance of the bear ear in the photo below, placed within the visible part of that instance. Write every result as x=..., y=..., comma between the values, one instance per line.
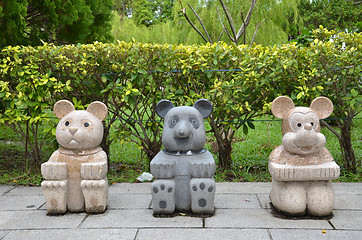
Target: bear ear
x=62, y=108
x=163, y=107
x=281, y=106
x=322, y=106
x=204, y=106
x=98, y=109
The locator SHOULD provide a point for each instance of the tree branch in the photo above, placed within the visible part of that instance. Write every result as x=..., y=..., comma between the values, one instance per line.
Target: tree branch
x=221, y=35
x=229, y=18
x=202, y=24
x=183, y=10
x=247, y=20
x=324, y=123
x=225, y=30
x=252, y=40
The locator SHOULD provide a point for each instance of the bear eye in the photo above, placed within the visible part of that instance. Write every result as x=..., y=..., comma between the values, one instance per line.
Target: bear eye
x=193, y=120
x=67, y=123
x=86, y=124
x=312, y=123
x=299, y=124
x=173, y=121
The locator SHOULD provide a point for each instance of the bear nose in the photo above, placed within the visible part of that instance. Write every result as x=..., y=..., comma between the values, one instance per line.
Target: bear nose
x=182, y=130
x=308, y=126
x=183, y=134
x=73, y=130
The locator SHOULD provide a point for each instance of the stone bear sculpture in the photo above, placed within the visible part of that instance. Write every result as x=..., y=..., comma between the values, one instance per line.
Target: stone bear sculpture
x=75, y=175
x=302, y=168
x=184, y=169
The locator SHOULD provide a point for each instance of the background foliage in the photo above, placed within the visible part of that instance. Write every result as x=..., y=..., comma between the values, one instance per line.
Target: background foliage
x=278, y=19
x=131, y=78
x=340, y=15
x=29, y=22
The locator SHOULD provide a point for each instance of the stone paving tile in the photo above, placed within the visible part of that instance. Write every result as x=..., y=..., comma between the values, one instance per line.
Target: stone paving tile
x=259, y=218
x=348, y=201
x=236, y=201
x=25, y=191
x=5, y=188
x=128, y=201
x=3, y=233
x=38, y=220
x=243, y=187
x=291, y=234
x=264, y=200
x=71, y=234
x=347, y=220
x=198, y=234
x=130, y=188
x=138, y=219
x=21, y=202
x=349, y=188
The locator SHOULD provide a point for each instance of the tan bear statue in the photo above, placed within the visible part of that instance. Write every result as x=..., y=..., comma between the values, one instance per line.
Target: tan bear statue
x=75, y=175
x=302, y=168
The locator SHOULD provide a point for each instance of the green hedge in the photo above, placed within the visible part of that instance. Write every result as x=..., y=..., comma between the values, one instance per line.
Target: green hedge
x=131, y=78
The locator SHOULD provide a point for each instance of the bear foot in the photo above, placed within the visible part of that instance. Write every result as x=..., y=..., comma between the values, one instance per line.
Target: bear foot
x=163, y=196
x=95, y=195
x=320, y=197
x=55, y=195
x=202, y=195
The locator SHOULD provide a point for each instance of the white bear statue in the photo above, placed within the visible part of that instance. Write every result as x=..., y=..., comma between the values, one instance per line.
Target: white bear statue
x=75, y=174
x=302, y=168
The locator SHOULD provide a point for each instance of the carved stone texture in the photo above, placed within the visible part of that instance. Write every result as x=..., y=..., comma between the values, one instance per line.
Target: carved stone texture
x=184, y=169
x=302, y=168
x=75, y=174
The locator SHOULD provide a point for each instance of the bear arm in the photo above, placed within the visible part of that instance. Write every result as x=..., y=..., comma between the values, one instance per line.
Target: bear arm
x=54, y=170
x=97, y=169
x=163, y=166
x=284, y=172
x=202, y=168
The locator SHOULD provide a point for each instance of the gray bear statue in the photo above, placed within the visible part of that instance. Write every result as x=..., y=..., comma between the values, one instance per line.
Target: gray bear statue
x=183, y=169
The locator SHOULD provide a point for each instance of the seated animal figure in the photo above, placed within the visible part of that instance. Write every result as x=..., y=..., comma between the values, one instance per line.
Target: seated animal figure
x=184, y=169
x=75, y=174
x=302, y=168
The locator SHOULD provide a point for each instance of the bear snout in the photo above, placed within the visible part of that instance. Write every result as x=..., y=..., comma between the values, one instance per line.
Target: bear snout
x=182, y=131
x=308, y=126
x=73, y=130
x=306, y=138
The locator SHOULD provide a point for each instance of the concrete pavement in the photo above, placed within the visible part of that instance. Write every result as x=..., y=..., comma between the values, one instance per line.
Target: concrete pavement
x=242, y=212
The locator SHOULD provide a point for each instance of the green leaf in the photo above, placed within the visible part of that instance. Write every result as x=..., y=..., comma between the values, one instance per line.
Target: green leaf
x=251, y=124
x=354, y=93
x=104, y=78
x=245, y=129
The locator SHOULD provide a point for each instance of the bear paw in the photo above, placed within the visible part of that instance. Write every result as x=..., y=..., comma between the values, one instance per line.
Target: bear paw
x=95, y=195
x=202, y=195
x=163, y=196
x=55, y=195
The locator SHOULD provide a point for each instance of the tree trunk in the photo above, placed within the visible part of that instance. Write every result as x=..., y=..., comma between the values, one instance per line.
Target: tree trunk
x=346, y=145
x=225, y=149
x=106, y=143
x=224, y=137
x=152, y=150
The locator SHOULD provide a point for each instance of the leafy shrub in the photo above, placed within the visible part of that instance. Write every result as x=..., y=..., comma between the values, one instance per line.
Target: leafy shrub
x=131, y=78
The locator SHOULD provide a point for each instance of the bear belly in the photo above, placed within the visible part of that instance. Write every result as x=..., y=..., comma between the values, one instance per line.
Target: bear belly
x=75, y=198
x=182, y=183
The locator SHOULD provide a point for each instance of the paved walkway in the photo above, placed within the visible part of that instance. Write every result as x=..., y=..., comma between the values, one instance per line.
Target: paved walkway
x=242, y=212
